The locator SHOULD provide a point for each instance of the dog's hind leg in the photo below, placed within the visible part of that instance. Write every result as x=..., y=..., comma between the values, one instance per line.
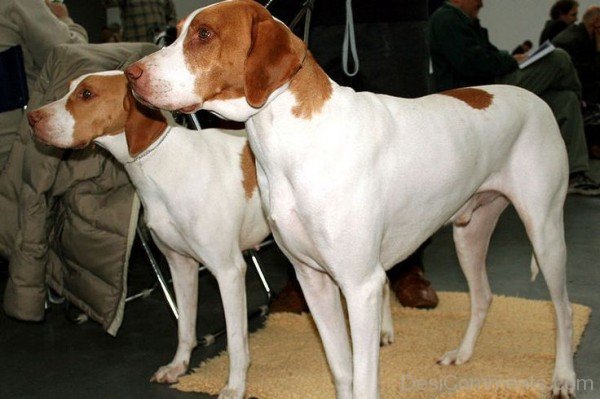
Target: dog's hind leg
x=472, y=241
x=544, y=224
x=184, y=271
x=323, y=298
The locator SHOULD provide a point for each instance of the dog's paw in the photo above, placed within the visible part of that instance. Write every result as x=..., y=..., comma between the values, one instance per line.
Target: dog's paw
x=169, y=374
x=563, y=386
x=231, y=393
x=454, y=357
x=387, y=337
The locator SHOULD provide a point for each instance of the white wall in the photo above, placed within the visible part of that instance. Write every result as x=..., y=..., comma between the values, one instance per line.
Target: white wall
x=510, y=22
x=184, y=7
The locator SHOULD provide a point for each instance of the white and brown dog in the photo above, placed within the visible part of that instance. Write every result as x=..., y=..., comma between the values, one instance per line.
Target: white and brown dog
x=198, y=191
x=353, y=182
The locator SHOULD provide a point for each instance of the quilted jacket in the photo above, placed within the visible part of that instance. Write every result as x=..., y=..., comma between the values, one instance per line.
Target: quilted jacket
x=68, y=217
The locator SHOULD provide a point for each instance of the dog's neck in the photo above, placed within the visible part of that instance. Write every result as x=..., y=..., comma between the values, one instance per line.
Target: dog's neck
x=116, y=144
x=238, y=109
x=309, y=87
x=297, y=103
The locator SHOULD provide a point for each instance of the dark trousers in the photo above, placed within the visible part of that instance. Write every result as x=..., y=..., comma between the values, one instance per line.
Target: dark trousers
x=393, y=60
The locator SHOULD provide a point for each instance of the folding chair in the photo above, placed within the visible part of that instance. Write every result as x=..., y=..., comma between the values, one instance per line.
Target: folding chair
x=206, y=340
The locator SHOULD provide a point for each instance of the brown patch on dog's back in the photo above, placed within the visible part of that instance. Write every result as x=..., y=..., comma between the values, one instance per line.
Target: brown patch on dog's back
x=311, y=88
x=475, y=98
x=249, y=181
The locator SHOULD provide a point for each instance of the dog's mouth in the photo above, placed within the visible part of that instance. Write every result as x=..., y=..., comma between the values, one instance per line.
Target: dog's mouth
x=190, y=109
x=139, y=98
x=40, y=135
x=80, y=145
x=50, y=141
x=41, y=138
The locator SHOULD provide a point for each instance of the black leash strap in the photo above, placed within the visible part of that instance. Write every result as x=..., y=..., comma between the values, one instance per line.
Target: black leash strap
x=305, y=11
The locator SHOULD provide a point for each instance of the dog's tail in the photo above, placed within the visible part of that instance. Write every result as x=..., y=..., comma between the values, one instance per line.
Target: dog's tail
x=535, y=268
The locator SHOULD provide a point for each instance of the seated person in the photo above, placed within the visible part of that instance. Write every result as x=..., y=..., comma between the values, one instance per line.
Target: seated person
x=462, y=55
x=563, y=13
x=582, y=42
x=142, y=20
x=37, y=27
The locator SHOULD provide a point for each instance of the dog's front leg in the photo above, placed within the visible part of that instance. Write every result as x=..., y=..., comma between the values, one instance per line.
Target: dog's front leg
x=231, y=278
x=323, y=298
x=184, y=272
x=364, y=298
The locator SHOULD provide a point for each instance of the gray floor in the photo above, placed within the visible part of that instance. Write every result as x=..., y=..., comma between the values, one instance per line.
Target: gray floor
x=57, y=359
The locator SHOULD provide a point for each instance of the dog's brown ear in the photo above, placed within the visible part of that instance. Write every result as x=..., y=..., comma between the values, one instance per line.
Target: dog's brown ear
x=271, y=62
x=143, y=125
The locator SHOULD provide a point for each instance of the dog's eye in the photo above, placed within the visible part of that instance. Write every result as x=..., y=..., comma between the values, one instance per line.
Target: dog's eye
x=86, y=94
x=204, y=34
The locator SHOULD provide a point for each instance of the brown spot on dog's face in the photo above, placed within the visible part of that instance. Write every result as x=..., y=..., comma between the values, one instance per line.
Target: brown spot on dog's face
x=103, y=105
x=216, y=54
x=249, y=181
x=247, y=53
x=96, y=105
x=475, y=98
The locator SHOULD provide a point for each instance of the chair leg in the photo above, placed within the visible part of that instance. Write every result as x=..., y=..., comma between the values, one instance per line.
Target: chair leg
x=158, y=273
x=208, y=339
x=254, y=256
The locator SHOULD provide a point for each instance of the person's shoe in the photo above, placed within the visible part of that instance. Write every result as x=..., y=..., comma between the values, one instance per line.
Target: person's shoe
x=591, y=114
x=413, y=290
x=290, y=299
x=580, y=183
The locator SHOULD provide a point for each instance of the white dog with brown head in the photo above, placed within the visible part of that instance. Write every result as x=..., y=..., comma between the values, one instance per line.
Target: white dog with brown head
x=199, y=194
x=353, y=182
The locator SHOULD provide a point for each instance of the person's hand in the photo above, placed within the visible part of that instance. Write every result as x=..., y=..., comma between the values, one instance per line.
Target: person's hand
x=58, y=9
x=520, y=57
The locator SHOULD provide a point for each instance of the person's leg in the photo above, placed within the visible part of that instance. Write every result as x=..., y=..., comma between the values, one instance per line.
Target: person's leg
x=565, y=106
x=555, y=80
x=553, y=72
x=383, y=69
x=398, y=68
x=407, y=280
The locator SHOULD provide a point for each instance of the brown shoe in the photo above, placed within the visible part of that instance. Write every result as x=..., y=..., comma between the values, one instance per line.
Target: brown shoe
x=413, y=290
x=595, y=151
x=290, y=299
